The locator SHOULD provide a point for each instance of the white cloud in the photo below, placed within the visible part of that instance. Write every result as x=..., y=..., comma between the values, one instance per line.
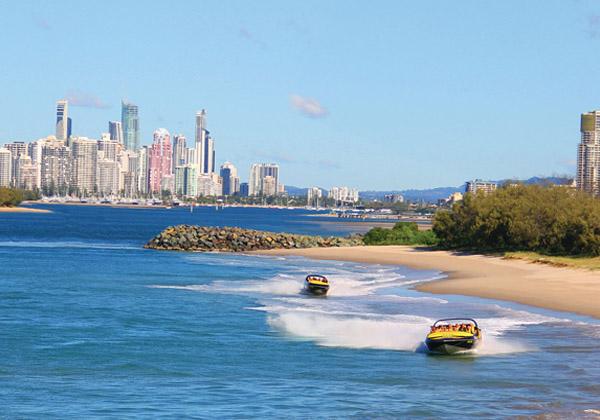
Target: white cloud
x=83, y=99
x=308, y=106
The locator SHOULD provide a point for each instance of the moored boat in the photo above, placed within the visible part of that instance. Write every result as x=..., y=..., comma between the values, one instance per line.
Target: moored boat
x=316, y=284
x=453, y=335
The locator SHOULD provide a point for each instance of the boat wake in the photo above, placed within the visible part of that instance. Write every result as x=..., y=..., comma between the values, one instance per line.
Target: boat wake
x=370, y=307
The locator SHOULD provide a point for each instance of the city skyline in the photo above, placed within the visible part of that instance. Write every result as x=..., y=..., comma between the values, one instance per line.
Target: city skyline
x=424, y=92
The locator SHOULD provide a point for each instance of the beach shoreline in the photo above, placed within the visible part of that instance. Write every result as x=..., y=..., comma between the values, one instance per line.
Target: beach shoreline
x=23, y=210
x=543, y=286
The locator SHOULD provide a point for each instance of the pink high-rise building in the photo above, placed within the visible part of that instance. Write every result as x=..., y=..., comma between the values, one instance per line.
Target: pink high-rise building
x=159, y=161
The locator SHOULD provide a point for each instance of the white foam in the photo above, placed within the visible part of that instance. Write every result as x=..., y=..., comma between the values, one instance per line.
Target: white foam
x=64, y=244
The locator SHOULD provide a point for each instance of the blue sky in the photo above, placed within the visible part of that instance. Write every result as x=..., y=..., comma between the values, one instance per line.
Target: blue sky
x=375, y=95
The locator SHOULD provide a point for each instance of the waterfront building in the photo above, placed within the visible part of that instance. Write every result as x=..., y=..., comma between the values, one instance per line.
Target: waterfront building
x=130, y=125
x=343, y=195
x=258, y=172
x=179, y=151
x=107, y=148
x=17, y=149
x=231, y=182
x=26, y=173
x=313, y=195
x=84, y=160
x=254, y=181
x=159, y=160
x=55, y=168
x=142, y=170
x=5, y=167
x=204, y=157
x=588, y=154
x=107, y=176
x=478, y=185
x=62, y=120
x=244, y=189
x=186, y=181
x=210, y=185
x=115, y=130
x=269, y=186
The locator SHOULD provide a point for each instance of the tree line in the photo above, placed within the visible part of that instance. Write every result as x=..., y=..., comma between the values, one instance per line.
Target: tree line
x=546, y=219
x=10, y=197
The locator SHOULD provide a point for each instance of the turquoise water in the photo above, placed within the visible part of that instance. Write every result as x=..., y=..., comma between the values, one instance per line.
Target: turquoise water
x=92, y=325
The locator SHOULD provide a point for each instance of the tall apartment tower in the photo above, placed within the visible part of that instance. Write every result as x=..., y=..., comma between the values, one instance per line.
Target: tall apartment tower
x=115, y=130
x=179, y=151
x=130, y=125
x=84, y=154
x=588, y=153
x=5, y=167
x=204, y=146
x=159, y=160
x=231, y=182
x=62, y=120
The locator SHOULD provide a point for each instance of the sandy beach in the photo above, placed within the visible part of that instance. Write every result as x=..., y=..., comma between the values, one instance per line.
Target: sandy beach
x=22, y=210
x=562, y=289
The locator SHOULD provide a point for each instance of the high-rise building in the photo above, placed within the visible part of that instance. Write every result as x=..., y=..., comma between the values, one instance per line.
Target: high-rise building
x=5, y=167
x=313, y=196
x=269, y=186
x=244, y=189
x=17, y=149
x=204, y=146
x=142, y=170
x=26, y=174
x=179, y=151
x=258, y=172
x=108, y=149
x=478, y=185
x=62, y=119
x=231, y=182
x=159, y=160
x=107, y=177
x=130, y=125
x=343, y=195
x=55, y=171
x=186, y=181
x=588, y=154
x=84, y=160
x=115, y=130
x=210, y=185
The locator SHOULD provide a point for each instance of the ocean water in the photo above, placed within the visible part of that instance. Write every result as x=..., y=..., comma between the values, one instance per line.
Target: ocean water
x=92, y=325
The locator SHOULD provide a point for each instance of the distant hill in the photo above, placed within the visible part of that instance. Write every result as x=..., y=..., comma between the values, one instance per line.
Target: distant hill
x=434, y=194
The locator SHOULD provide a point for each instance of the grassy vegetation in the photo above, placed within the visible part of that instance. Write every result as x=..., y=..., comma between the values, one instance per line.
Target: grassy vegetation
x=403, y=233
x=584, y=262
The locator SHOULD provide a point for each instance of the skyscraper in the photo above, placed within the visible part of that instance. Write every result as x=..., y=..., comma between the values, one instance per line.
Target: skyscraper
x=130, y=125
x=62, y=119
x=231, y=182
x=179, y=151
x=258, y=173
x=55, y=168
x=159, y=161
x=85, y=159
x=115, y=129
x=588, y=153
x=204, y=145
x=5, y=167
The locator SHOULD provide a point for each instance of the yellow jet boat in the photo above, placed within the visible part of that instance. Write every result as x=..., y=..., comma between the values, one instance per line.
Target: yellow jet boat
x=316, y=284
x=453, y=335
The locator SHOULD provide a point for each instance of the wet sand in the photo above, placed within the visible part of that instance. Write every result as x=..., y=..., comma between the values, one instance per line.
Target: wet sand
x=556, y=288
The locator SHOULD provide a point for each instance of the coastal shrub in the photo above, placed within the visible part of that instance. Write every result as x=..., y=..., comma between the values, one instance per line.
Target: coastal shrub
x=403, y=233
x=10, y=197
x=546, y=219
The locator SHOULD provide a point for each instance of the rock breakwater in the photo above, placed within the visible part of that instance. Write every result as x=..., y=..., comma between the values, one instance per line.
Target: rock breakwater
x=233, y=239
